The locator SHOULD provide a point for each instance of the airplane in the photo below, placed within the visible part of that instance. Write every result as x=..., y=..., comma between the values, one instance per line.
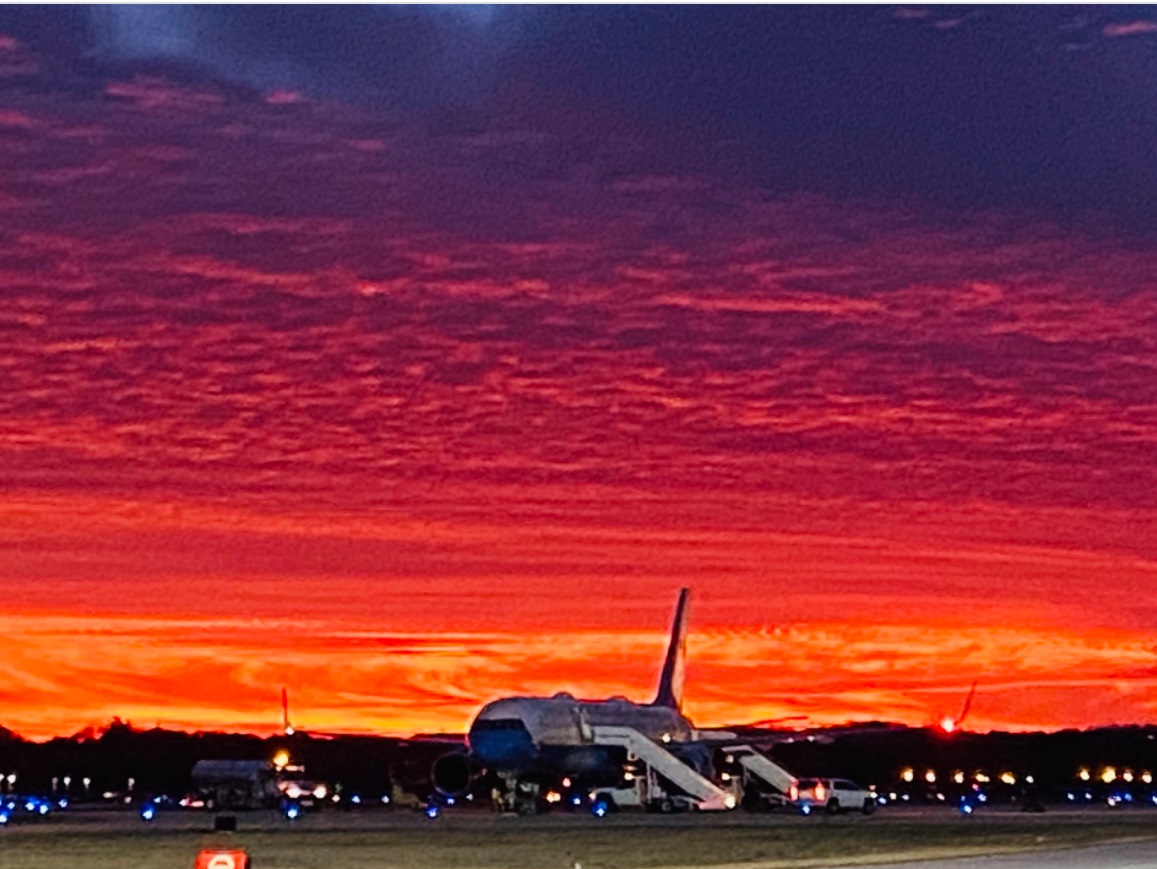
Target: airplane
x=950, y=725
x=548, y=741
x=286, y=728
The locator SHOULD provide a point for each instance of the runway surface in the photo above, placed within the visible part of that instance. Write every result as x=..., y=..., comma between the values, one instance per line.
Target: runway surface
x=1062, y=838
x=1130, y=855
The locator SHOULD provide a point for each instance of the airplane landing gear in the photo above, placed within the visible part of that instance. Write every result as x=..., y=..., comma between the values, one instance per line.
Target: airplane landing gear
x=516, y=796
x=526, y=798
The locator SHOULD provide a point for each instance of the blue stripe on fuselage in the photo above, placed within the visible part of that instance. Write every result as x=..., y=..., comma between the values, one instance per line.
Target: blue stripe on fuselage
x=505, y=745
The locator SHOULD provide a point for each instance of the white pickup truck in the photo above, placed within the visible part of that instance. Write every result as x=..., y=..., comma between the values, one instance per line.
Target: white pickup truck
x=833, y=795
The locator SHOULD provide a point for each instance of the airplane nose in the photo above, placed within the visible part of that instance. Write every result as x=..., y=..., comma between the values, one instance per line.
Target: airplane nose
x=500, y=740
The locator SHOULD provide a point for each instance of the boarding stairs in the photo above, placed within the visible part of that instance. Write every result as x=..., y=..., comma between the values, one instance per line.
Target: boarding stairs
x=708, y=795
x=762, y=768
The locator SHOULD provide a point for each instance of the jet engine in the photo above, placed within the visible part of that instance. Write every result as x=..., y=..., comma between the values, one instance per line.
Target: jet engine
x=452, y=773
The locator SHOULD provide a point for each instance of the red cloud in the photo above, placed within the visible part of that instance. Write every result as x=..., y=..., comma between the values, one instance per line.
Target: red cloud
x=283, y=97
x=150, y=92
x=17, y=119
x=1129, y=28
x=418, y=408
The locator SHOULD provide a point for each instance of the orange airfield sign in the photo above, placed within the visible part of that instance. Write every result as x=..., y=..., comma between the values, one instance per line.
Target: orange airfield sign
x=214, y=859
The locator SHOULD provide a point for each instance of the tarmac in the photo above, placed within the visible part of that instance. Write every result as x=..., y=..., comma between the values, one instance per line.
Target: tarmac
x=114, y=838
x=1128, y=855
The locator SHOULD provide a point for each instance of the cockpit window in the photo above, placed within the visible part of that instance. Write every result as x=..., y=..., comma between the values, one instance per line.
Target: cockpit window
x=499, y=724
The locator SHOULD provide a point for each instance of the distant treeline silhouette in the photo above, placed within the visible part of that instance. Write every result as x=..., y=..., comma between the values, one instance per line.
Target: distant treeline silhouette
x=160, y=761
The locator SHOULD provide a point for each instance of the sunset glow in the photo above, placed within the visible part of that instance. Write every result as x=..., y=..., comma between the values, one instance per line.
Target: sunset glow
x=407, y=414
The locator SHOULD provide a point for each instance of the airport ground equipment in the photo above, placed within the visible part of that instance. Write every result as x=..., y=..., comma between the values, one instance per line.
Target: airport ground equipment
x=835, y=795
x=765, y=784
x=662, y=768
x=235, y=784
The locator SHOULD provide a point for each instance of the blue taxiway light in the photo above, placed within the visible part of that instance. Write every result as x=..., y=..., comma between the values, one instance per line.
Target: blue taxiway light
x=433, y=811
x=148, y=812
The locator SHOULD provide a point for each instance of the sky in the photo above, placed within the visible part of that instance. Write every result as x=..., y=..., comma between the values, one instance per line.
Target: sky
x=414, y=357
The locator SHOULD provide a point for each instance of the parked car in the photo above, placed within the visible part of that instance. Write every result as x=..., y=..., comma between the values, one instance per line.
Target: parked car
x=833, y=795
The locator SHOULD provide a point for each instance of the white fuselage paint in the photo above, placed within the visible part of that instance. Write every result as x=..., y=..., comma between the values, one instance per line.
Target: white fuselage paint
x=563, y=720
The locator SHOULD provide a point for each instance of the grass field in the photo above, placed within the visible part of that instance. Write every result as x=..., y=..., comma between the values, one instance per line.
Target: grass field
x=555, y=842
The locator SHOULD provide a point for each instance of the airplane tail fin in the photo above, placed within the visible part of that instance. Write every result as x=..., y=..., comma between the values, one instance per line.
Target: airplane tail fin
x=286, y=727
x=671, y=682
x=967, y=705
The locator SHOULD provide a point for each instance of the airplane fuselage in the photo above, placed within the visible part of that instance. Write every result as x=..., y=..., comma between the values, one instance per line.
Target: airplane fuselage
x=553, y=735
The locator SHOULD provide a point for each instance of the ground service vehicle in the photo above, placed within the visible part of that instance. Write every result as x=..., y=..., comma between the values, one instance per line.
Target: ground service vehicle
x=833, y=795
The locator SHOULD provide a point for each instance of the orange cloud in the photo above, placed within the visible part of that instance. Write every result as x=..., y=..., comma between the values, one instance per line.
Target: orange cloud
x=300, y=396
x=226, y=672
